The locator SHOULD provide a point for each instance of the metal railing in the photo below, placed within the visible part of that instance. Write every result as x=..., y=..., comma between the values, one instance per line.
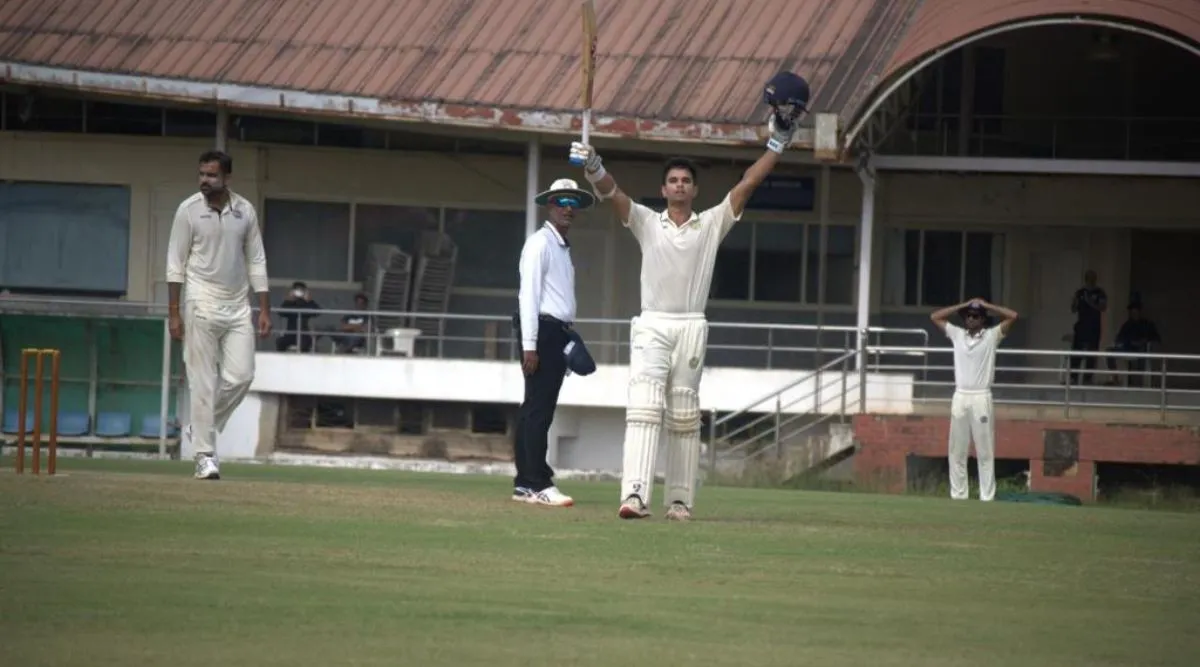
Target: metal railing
x=1172, y=380
x=1151, y=381
x=492, y=337
x=781, y=415
x=1089, y=138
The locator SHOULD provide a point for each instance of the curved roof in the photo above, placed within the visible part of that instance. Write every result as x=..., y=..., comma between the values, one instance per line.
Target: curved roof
x=669, y=69
x=943, y=24
x=938, y=23
x=674, y=70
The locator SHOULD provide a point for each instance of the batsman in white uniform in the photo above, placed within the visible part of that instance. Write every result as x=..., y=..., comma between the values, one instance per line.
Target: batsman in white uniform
x=214, y=258
x=668, y=338
x=971, y=416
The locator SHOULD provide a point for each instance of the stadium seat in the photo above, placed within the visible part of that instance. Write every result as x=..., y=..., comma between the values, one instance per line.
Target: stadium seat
x=11, y=422
x=150, y=427
x=73, y=424
x=114, y=425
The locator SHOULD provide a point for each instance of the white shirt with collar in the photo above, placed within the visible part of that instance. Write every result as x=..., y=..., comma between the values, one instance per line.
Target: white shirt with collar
x=547, y=282
x=974, y=357
x=217, y=255
x=677, y=260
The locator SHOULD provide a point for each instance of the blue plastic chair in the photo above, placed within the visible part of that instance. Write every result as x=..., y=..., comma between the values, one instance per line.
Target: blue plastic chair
x=114, y=424
x=73, y=424
x=11, y=423
x=150, y=427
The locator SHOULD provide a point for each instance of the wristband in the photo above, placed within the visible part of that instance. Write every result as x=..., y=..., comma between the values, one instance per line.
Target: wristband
x=596, y=176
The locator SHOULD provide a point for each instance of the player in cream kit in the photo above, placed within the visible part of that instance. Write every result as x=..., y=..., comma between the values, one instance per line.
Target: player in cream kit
x=668, y=337
x=971, y=414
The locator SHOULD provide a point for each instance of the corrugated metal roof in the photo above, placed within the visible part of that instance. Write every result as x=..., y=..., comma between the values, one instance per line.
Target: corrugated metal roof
x=675, y=69
x=938, y=23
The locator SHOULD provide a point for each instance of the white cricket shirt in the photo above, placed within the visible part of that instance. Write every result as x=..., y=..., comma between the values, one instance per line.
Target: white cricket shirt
x=974, y=357
x=217, y=255
x=547, y=282
x=677, y=261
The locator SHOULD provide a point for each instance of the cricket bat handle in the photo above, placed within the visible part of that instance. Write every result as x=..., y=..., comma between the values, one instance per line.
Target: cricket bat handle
x=583, y=138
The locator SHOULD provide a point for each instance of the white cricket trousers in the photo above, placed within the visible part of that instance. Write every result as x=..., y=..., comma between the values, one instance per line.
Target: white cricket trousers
x=971, y=419
x=218, y=352
x=666, y=361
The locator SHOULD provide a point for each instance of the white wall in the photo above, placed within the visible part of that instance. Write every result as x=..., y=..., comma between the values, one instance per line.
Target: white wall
x=590, y=420
x=501, y=382
x=242, y=434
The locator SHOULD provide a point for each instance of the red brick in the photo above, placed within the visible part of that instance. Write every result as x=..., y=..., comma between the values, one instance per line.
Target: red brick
x=1078, y=481
x=886, y=440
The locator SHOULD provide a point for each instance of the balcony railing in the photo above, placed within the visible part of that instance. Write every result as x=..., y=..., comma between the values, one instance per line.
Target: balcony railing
x=1051, y=137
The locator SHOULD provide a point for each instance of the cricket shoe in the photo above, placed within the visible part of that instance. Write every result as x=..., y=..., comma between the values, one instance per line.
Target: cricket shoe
x=552, y=497
x=633, y=508
x=678, y=512
x=206, y=468
x=522, y=494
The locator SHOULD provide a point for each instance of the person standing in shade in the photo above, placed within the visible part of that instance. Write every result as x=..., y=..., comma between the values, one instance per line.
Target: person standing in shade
x=546, y=312
x=1089, y=304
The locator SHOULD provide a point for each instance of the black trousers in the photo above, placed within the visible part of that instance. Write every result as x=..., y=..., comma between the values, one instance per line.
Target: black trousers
x=1084, y=341
x=537, y=410
x=303, y=341
x=1135, y=365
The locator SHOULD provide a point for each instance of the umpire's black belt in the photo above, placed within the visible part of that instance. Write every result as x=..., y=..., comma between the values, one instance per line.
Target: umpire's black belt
x=554, y=320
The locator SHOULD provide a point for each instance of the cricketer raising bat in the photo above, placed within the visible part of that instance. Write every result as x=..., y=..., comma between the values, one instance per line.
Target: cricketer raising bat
x=587, y=69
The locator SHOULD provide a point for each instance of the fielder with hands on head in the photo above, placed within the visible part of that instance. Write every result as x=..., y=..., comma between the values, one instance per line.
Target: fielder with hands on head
x=668, y=338
x=214, y=258
x=971, y=415
x=546, y=311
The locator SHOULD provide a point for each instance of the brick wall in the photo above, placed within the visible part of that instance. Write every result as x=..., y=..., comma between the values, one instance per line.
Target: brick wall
x=1062, y=454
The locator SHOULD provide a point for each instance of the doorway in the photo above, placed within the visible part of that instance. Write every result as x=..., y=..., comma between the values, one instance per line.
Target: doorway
x=1054, y=275
x=1164, y=273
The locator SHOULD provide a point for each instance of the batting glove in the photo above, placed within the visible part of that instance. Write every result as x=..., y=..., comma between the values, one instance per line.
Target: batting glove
x=593, y=169
x=780, y=137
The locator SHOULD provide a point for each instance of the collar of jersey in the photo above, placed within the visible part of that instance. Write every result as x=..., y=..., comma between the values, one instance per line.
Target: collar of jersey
x=665, y=219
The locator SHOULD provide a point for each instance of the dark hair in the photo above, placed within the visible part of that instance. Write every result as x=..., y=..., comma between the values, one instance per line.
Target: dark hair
x=299, y=284
x=680, y=163
x=219, y=157
x=363, y=296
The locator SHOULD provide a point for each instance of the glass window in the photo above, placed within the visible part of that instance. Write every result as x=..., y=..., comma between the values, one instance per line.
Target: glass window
x=64, y=237
x=778, y=261
x=395, y=225
x=839, y=259
x=731, y=274
x=306, y=240
x=489, y=246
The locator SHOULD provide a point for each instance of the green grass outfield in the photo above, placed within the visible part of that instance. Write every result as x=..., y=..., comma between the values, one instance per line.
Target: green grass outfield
x=129, y=563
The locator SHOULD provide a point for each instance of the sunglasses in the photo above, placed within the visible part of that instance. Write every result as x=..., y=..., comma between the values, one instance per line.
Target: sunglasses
x=567, y=202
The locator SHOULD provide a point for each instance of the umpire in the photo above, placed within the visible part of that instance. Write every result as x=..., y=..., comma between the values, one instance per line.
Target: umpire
x=545, y=314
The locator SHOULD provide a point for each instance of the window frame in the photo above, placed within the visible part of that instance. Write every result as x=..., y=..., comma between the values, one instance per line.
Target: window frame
x=353, y=202
x=995, y=230
x=806, y=219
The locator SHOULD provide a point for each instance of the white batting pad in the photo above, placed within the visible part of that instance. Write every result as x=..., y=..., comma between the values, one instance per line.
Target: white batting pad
x=683, y=445
x=643, y=424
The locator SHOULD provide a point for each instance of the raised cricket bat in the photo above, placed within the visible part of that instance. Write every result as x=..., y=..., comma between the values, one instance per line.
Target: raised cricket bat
x=587, y=67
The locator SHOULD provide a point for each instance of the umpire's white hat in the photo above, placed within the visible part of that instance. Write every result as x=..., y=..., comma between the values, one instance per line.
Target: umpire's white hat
x=565, y=187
